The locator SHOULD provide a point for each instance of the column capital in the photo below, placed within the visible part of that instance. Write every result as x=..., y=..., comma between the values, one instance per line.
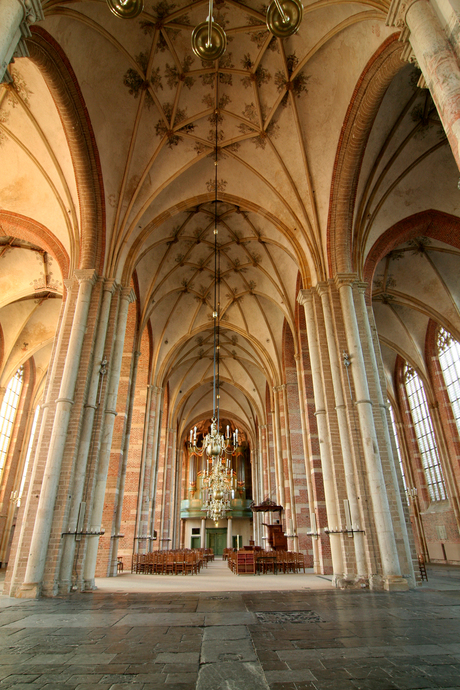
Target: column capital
x=397, y=13
x=128, y=294
x=32, y=11
x=157, y=390
x=68, y=283
x=304, y=296
x=277, y=389
x=110, y=286
x=86, y=275
x=345, y=280
x=361, y=286
x=262, y=427
x=322, y=288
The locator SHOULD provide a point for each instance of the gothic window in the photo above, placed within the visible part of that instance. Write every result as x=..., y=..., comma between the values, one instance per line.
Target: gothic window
x=398, y=450
x=424, y=432
x=29, y=451
x=8, y=413
x=449, y=359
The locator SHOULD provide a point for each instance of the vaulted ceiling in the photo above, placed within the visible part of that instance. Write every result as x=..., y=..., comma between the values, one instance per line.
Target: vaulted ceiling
x=152, y=104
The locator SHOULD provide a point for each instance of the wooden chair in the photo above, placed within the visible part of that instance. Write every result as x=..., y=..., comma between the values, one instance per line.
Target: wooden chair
x=300, y=561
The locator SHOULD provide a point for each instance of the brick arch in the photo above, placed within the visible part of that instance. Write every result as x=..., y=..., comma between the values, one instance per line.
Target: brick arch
x=435, y=224
x=60, y=78
x=16, y=225
x=364, y=105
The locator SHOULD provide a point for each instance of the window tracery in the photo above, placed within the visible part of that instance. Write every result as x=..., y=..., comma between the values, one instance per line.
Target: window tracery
x=8, y=412
x=424, y=432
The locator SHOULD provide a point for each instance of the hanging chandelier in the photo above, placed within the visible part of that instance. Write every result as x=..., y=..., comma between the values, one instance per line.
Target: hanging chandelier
x=209, y=40
x=219, y=480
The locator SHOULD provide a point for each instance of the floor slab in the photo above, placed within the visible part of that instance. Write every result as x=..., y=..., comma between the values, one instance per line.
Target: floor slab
x=253, y=639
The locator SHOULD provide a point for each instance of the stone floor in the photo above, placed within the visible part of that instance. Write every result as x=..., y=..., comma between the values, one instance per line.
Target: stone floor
x=251, y=640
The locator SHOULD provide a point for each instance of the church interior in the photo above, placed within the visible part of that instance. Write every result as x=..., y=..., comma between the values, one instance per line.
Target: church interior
x=299, y=196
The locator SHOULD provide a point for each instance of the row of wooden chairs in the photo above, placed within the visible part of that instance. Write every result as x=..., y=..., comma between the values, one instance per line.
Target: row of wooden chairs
x=171, y=562
x=271, y=561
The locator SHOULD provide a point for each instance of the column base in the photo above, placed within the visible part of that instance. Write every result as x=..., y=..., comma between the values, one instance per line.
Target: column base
x=64, y=587
x=88, y=585
x=29, y=590
x=395, y=583
x=351, y=581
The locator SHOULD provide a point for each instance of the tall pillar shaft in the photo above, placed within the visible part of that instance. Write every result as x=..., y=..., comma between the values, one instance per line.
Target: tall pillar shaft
x=42, y=529
x=229, y=532
x=303, y=422
x=278, y=450
x=106, y=443
x=113, y=567
x=379, y=498
x=436, y=58
x=77, y=507
x=347, y=454
x=306, y=299
x=203, y=533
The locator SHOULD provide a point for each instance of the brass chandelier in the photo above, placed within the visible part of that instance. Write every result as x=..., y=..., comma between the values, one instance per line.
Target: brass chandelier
x=209, y=40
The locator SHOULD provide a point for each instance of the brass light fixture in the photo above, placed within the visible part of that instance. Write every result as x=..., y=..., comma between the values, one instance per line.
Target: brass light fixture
x=209, y=40
x=284, y=17
x=126, y=9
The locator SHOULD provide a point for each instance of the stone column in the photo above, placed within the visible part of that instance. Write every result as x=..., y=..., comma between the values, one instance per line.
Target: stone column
x=291, y=528
x=42, y=425
x=303, y=419
x=278, y=448
x=15, y=19
x=154, y=466
x=384, y=412
x=436, y=58
x=113, y=565
x=347, y=453
x=77, y=507
x=127, y=296
x=381, y=509
x=203, y=533
x=229, y=532
x=305, y=298
x=143, y=500
x=42, y=528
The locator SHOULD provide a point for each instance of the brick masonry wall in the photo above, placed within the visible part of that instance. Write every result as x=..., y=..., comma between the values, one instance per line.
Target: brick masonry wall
x=116, y=452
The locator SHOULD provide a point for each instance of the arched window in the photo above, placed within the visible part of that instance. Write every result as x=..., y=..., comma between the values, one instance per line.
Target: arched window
x=424, y=432
x=29, y=452
x=8, y=413
x=449, y=359
x=398, y=451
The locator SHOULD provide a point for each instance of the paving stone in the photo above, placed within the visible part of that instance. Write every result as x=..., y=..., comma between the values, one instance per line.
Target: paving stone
x=181, y=678
x=238, y=676
x=179, y=658
x=227, y=650
x=226, y=632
